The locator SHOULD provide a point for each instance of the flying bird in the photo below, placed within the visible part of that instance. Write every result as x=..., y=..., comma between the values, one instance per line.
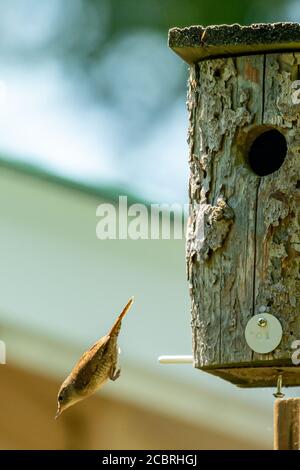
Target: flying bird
x=93, y=369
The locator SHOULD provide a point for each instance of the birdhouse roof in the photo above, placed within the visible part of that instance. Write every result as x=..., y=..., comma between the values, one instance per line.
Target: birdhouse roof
x=198, y=43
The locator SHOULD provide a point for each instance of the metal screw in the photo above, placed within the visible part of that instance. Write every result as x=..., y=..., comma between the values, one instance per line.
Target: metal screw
x=279, y=393
x=262, y=322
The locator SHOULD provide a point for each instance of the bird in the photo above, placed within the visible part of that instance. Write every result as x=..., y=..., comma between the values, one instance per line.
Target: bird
x=94, y=368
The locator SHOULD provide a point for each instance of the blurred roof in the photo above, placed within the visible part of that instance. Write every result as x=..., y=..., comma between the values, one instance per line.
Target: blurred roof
x=103, y=191
x=61, y=288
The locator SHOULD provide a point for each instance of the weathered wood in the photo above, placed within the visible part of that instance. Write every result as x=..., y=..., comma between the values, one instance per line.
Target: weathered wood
x=228, y=101
x=277, y=279
x=198, y=42
x=243, y=237
x=287, y=424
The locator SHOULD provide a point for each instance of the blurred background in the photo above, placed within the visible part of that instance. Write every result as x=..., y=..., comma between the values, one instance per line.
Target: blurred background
x=92, y=106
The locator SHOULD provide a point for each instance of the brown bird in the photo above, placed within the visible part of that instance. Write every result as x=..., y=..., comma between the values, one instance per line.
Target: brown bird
x=93, y=369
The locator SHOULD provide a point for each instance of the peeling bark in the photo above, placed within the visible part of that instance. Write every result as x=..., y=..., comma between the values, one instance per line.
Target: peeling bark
x=243, y=237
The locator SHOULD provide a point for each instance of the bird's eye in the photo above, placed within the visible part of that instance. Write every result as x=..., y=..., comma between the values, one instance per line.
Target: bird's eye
x=60, y=398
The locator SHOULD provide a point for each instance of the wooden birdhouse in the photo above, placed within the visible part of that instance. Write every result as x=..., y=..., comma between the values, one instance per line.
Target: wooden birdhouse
x=243, y=235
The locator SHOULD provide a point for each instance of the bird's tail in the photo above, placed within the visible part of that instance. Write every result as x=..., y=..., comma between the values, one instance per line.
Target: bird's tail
x=117, y=325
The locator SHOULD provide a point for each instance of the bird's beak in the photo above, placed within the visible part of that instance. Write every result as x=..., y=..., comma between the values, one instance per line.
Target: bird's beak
x=58, y=413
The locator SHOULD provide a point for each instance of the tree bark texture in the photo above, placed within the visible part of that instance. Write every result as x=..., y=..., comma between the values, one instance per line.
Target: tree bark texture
x=243, y=235
x=287, y=424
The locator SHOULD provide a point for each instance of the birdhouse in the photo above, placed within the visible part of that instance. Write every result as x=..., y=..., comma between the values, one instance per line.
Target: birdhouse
x=243, y=234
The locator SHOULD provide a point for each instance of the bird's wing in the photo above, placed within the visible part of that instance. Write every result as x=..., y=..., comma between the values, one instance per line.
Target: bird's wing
x=89, y=362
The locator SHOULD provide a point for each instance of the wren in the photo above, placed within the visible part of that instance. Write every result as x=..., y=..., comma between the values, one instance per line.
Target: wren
x=95, y=367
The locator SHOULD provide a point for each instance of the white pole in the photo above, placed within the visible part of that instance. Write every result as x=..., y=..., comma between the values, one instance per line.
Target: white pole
x=176, y=359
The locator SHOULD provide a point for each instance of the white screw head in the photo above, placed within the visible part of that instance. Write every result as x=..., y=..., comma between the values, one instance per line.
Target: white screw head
x=262, y=322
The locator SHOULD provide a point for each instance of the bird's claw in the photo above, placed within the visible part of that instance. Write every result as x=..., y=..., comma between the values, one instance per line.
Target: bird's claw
x=115, y=374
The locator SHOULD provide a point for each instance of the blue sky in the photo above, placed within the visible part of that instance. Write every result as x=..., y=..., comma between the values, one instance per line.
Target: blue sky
x=132, y=136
